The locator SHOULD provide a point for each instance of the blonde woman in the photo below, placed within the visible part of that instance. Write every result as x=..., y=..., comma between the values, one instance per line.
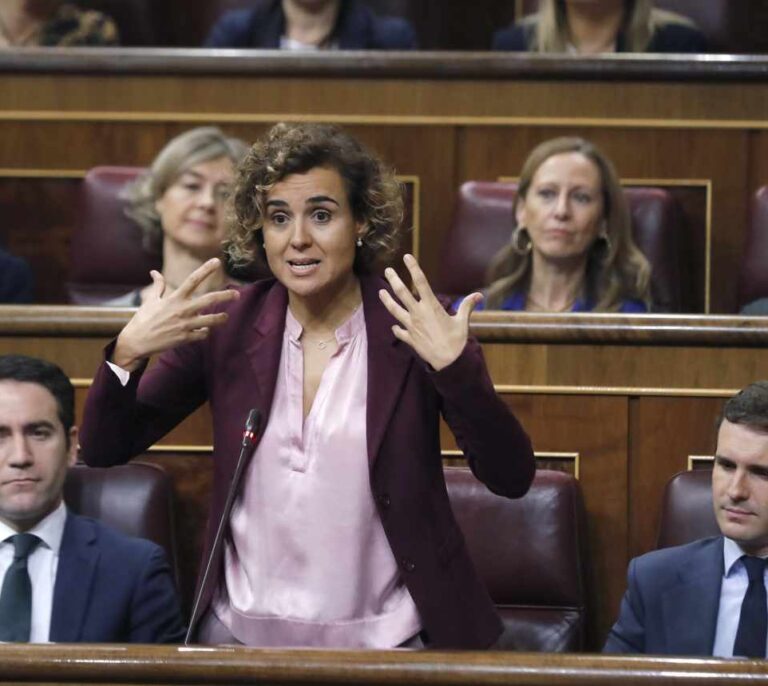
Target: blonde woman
x=180, y=202
x=590, y=27
x=571, y=249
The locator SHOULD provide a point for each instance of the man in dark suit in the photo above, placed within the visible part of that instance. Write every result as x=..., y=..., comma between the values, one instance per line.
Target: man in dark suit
x=319, y=24
x=709, y=597
x=66, y=578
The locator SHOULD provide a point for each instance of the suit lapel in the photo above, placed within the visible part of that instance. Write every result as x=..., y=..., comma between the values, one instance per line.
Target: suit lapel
x=78, y=557
x=265, y=348
x=388, y=363
x=690, y=608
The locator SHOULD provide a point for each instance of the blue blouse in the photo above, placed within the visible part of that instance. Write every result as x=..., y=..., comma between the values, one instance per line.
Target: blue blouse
x=516, y=303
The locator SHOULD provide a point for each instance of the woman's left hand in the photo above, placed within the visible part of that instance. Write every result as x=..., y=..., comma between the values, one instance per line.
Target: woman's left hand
x=435, y=335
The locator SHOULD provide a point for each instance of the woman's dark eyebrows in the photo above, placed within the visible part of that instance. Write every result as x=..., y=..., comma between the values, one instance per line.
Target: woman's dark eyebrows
x=322, y=198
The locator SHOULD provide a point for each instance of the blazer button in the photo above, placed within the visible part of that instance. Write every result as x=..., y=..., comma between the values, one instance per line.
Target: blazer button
x=384, y=500
x=408, y=565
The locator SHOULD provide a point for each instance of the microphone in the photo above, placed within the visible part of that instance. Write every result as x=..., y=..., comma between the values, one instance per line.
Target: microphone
x=250, y=436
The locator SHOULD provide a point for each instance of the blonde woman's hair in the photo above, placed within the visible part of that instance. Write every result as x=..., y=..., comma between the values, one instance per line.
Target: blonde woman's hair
x=641, y=20
x=616, y=269
x=375, y=196
x=180, y=154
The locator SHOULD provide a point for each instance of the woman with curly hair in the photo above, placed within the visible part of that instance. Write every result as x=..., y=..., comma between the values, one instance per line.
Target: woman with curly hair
x=571, y=249
x=342, y=534
x=588, y=27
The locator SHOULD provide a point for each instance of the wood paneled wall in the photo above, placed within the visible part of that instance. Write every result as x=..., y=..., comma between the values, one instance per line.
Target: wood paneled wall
x=442, y=118
x=622, y=402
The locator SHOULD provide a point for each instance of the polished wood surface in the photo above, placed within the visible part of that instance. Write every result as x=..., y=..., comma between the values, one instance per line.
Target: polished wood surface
x=444, y=118
x=113, y=664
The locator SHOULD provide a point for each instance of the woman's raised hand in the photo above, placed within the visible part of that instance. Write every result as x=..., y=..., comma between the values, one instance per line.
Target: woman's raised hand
x=436, y=336
x=165, y=321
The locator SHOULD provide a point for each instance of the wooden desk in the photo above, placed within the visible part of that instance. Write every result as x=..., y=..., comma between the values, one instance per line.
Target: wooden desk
x=694, y=124
x=622, y=401
x=162, y=665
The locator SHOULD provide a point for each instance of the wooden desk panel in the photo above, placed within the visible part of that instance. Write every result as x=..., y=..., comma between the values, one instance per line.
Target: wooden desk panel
x=630, y=397
x=441, y=117
x=162, y=665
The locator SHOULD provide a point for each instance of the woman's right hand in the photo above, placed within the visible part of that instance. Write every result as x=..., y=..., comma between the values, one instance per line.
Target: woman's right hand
x=165, y=321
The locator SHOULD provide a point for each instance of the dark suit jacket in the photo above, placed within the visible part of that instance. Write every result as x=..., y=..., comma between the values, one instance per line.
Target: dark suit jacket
x=236, y=369
x=672, y=601
x=112, y=588
x=15, y=279
x=669, y=38
x=357, y=28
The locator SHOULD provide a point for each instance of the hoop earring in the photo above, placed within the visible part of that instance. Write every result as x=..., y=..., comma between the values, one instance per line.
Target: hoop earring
x=607, y=243
x=517, y=246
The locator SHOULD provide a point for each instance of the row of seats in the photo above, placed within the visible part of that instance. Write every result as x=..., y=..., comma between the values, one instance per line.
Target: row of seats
x=544, y=531
x=107, y=258
x=142, y=22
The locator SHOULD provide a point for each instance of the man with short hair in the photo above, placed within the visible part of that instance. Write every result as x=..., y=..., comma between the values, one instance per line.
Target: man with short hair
x=709, y=597
x=66, y=578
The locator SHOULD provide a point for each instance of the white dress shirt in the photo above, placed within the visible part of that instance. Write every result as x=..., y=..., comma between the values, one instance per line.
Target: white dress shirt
x=732, y=591
x=42, y=564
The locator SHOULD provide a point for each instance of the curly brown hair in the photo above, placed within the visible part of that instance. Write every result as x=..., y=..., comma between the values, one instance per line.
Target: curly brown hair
x=375, y=196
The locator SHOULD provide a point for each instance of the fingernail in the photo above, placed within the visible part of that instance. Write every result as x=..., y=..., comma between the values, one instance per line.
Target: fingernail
x=389, y=271
x=408, y=257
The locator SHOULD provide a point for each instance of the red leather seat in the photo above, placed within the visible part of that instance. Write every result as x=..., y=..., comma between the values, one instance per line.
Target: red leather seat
x=107, y=258
x=686, y=511
x=134, y=498
x=753, y=275
x=483, y=222
x=530, y=553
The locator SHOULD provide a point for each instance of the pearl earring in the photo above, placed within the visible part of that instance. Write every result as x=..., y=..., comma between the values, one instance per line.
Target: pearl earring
x=359, y=242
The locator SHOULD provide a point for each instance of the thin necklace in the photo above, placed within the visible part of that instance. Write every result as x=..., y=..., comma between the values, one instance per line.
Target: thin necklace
x=321, y=345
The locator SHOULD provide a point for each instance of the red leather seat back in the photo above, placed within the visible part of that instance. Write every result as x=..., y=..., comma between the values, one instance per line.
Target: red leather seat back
x=107, y=258
x=753, y=281
x=530, y=553
x=134, y=498
x=686, y=512
x=483, y=222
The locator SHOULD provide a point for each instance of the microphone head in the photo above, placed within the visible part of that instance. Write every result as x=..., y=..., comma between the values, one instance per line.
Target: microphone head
x=252, y=426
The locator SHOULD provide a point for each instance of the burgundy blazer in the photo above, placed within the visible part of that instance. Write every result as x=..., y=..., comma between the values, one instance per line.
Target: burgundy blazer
x=236, y=369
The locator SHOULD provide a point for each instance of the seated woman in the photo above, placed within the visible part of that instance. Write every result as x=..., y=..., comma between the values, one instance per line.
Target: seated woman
x=571, y=249
x=52, y=23
x=311, y=25
x=600, y=26
x=179, y=203
x=342, y=534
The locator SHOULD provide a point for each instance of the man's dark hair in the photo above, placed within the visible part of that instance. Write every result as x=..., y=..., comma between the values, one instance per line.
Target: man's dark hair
x=46, y=374
x=748, y=407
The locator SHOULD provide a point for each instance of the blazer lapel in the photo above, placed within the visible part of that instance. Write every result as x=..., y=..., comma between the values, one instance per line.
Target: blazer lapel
x=388, y=363
x=690, y=608
x=266, y=347
x=78, y=557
